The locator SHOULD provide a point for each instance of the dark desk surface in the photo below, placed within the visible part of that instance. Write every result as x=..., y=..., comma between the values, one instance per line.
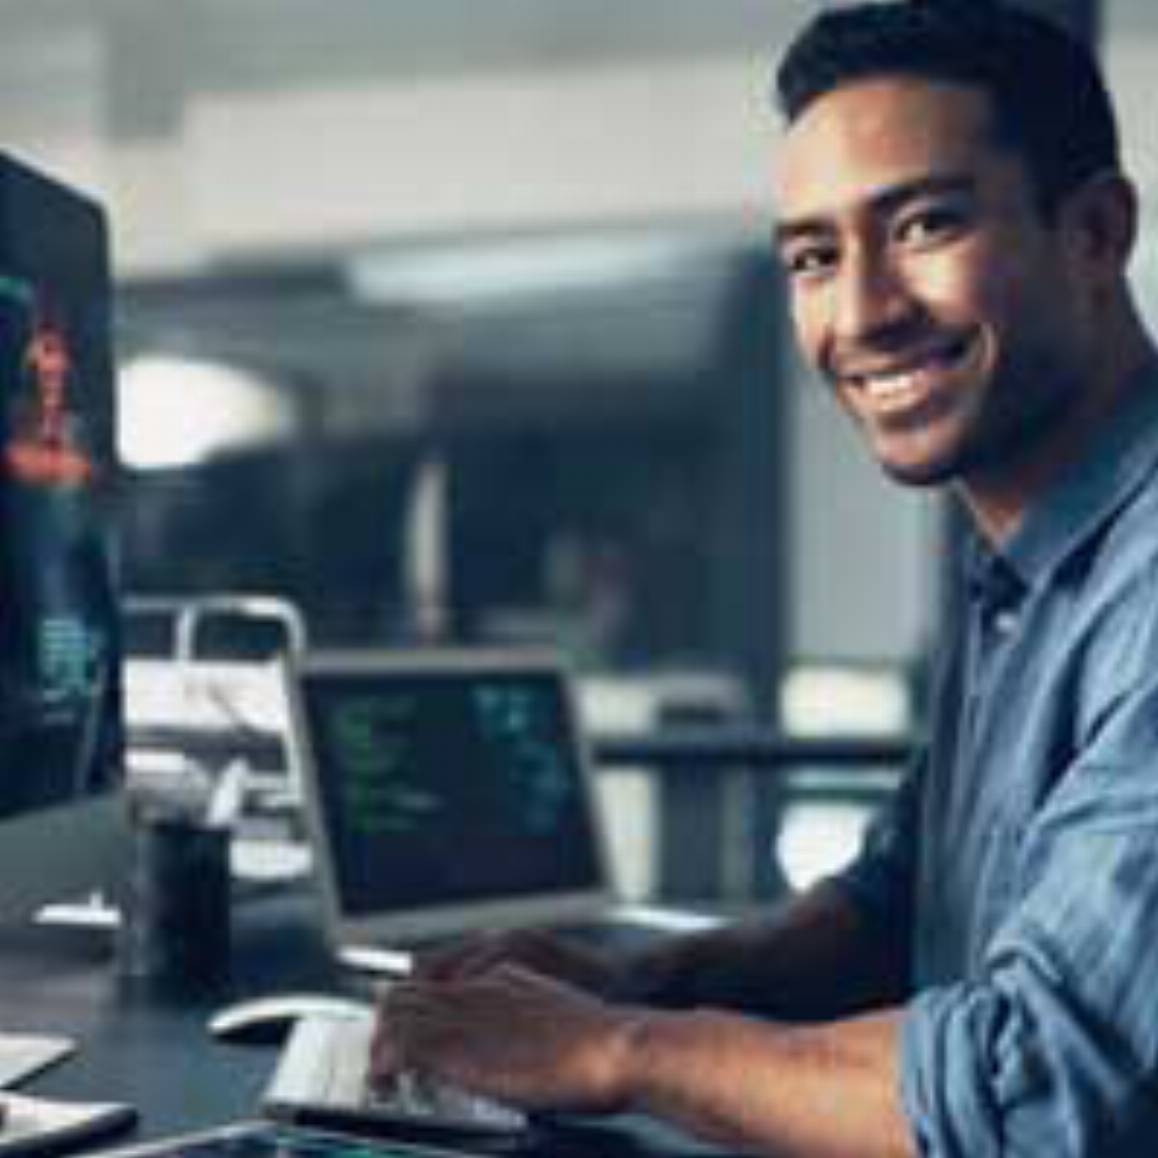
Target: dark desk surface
x=149, y=1046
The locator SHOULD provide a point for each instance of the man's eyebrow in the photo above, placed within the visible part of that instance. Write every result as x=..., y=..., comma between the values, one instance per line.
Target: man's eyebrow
x=885, y=201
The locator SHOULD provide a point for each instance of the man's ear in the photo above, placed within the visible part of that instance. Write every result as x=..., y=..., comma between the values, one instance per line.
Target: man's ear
x=1100, y=219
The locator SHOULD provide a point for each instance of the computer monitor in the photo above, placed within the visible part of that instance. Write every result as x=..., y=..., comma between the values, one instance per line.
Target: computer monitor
x=62, y=829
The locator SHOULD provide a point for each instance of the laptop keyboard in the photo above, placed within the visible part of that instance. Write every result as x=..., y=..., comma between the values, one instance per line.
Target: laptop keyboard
x=324, y=1065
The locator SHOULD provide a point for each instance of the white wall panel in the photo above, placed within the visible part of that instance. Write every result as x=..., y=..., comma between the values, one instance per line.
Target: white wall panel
x=335, y=166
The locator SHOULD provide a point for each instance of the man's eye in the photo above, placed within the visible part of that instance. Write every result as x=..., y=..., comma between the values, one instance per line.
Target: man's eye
x=809, y=260
x=928, y=225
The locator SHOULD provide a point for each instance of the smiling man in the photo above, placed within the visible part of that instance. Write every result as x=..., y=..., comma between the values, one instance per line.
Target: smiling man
x=958, y=312
x=955, y=229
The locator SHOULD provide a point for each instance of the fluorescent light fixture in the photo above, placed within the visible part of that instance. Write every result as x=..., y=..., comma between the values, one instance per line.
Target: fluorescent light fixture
x=175, y=412
x=471, y=272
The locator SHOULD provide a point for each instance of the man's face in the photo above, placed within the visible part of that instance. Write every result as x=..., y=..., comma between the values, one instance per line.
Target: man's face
x=926, y=285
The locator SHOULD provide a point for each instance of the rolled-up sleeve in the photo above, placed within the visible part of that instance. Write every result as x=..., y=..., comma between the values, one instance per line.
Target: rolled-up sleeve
x=1052, y=1048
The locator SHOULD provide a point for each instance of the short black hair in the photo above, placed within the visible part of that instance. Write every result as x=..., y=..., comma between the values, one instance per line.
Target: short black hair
x=1048, y=99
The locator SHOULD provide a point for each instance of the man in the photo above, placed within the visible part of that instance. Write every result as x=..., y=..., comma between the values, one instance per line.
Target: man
x=955, y=229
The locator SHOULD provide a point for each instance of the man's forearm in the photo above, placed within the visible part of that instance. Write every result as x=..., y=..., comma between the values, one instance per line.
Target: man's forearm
x=817, y=958
x=823, y=1091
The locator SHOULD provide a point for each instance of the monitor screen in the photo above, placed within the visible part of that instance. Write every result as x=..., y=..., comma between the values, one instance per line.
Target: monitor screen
x=60, y=693
x=436, y=762
x=447, y=788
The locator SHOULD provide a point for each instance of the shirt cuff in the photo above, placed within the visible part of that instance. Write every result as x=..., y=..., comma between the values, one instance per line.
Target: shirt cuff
x=946, y=1089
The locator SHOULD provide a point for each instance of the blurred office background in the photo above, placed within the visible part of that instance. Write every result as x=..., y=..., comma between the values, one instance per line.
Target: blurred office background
x=454, y=320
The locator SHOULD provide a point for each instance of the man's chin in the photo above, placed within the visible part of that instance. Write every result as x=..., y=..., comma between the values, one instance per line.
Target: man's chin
x=917, y=472
x=927, y=455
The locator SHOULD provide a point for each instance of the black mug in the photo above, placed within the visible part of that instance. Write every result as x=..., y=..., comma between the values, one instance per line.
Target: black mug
x=176, y=919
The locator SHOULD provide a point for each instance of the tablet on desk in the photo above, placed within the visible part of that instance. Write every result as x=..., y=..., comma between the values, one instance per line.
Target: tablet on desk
x=265, y=1140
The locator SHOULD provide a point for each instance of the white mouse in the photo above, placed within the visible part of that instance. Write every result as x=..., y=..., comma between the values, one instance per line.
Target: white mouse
x=267, y=1020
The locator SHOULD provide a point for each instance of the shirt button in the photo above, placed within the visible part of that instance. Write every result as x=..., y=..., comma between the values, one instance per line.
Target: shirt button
x=1004, y=622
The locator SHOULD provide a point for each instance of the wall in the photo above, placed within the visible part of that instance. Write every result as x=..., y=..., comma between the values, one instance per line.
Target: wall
x=334, y=167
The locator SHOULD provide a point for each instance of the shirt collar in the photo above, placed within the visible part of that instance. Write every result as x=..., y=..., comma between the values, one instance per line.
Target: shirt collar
x=1118, y=460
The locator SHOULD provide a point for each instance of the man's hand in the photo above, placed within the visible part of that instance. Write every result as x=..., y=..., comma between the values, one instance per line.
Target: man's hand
x=825, y=1091
x=532, y=949
x=509, y=1033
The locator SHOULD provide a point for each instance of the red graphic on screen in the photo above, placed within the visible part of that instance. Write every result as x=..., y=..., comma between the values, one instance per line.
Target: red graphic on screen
x=45, y=446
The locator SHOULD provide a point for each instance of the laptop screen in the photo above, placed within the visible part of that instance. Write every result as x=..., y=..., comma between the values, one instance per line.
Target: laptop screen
x=448, y=790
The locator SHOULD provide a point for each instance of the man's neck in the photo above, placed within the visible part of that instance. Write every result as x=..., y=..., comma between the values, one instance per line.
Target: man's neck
x=999, y=500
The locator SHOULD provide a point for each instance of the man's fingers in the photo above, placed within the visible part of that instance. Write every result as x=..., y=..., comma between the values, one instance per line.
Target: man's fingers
x=393, y=1043
x=482, y=953
x=385, y=1063
x=475, y=954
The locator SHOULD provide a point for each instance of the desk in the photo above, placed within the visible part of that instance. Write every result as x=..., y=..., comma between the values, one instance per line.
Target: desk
x=151, y=1048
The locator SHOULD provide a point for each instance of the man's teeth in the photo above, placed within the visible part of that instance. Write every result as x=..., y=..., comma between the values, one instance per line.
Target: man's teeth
x=891, y=385
x=909, y=380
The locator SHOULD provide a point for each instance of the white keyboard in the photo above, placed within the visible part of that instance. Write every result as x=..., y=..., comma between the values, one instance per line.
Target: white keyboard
x=25, y=1054
x=322, y=1071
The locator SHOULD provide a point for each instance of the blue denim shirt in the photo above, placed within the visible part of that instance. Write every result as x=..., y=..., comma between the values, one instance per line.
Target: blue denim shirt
x=1020, y=856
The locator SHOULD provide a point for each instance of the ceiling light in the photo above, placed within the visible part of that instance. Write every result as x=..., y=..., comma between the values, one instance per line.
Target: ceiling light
x=175, y=412
x=471, y=272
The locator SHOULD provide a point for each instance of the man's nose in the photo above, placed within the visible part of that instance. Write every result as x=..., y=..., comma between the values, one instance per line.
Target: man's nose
x=871, y=297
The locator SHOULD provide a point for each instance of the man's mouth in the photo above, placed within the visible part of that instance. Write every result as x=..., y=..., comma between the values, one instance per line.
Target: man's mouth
x=903, y=381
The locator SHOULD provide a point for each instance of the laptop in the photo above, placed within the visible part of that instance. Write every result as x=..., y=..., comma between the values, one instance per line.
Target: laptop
x=447, y=791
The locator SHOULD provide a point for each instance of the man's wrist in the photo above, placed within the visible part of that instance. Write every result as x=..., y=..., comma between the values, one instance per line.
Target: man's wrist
x=656, y=1051
x=634, y=1044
